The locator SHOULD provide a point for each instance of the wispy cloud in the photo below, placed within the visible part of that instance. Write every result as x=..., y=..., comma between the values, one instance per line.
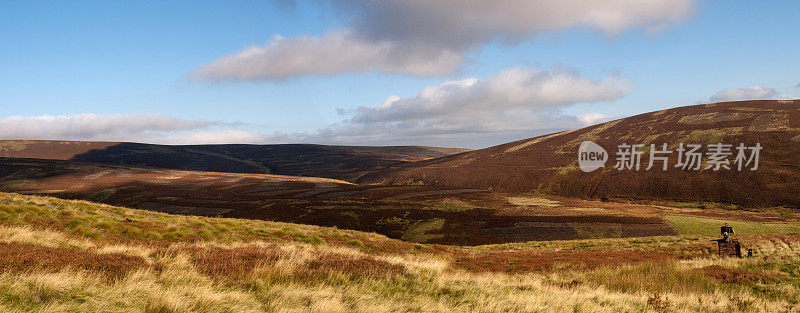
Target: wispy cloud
x=95, y=126
x=331, y=54
x=429, y=38
x=747, y=93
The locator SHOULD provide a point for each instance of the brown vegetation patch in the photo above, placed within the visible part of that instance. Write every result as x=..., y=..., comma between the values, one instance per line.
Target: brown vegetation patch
x=794, y=119
x=234, y=262
x=526, y=261
x=734, y=276
x=17, y=257
x=45, y=149
x=770, y=122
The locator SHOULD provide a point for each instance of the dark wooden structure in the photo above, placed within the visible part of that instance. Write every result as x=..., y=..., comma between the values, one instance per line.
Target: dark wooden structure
x=732, y=248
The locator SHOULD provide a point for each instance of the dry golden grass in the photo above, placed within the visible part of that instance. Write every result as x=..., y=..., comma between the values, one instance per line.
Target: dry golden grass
x=227, y=273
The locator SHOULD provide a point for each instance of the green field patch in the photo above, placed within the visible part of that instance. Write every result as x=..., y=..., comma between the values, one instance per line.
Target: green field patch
x=452, y=205
x=46, y=191
x=690, y=225
x=102, y=195
x=122, y=224
x=587, y=209
x=16, y=183
x=692, y=206
x=534, y=201
x=711, y=136
x=421, y=231
x=393, y=226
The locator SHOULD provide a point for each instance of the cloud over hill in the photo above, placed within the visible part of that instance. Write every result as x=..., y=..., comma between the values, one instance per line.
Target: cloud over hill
x=747, y=93
x=431, y=38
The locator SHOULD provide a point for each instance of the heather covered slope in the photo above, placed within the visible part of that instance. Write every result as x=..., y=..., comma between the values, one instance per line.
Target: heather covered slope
x=549, y=164
x=339, y=162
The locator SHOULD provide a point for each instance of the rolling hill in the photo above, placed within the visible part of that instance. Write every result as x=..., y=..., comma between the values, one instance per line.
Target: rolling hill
x=423, y=214
x=76, y=256
x=420, y=214
x=549, y=164
x=339, y=162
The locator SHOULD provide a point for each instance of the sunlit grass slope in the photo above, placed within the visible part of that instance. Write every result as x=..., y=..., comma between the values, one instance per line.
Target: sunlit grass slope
x=73, y=256
x=691, y=225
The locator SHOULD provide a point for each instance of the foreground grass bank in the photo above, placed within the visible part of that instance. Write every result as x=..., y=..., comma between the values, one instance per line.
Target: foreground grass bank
x=73, y=256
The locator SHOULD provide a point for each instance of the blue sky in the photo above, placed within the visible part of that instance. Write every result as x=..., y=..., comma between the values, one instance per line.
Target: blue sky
x=158, y=68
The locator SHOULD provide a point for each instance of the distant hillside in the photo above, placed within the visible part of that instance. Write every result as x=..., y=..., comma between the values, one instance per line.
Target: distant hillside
x=549, y=164
x=423, y=214
x=339, y=162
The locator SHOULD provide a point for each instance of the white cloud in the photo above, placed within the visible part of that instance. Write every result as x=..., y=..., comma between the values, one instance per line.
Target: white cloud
x=331, y=54
x=747, y=93
x=428, y=38
x=215, y=137
x=515, y=88
x=516, y=103
x=146, y=128
x=468, y=23
x=93, y=126
x=592, y=118
x=491, y=128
